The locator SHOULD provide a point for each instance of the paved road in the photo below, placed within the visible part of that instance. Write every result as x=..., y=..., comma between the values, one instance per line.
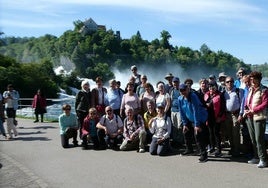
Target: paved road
x=36, y=159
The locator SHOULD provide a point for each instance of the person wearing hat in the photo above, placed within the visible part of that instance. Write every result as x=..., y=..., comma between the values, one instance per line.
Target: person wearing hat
x=194, y=117
x=160, y=127
x=238, y=82
x=215, y=104
x=168, y=85
x=176, y=131
x=135, y=74
x=212, y=77
x=82, y=103
x=222, y=77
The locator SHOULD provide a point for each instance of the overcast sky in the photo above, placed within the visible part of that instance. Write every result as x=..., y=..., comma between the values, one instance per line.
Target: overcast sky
x=238, y=27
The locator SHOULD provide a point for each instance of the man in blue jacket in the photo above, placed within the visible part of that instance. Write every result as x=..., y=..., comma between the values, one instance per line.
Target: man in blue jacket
x=194, y=116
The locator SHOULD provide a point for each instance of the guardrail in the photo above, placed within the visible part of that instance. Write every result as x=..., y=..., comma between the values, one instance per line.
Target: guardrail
x=53, y=109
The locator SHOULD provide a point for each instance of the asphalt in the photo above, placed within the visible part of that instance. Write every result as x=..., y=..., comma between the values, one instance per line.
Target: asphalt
x=36, y=159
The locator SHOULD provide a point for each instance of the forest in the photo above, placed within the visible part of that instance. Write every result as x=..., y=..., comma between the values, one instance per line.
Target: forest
x=29, y=62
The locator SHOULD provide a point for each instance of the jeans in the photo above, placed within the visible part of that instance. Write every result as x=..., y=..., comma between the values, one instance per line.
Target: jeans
x=159, y=149
x=65, y=138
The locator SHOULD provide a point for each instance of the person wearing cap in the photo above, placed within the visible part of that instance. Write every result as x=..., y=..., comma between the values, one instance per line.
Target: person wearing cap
x=212, y=77
x=135, y=74
x=82, y=103
x=98, y=97
x=133, y=132
x=13, y=97
x=240, y=73
x=176, y=130
x=114, y=97
x=168, y=85
x=222, y=77
x=194, y=117
x=216, y=107
x=160, y=127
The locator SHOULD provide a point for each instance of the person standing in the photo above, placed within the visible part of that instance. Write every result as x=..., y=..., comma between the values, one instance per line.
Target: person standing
x=98, y=97
x=216, y=107
x=12, y=96
x=68, y=126
x=136, y=75
x=130, y=99
x=255, y=111
x=233, y=97
x=194, y=116
x=114, y=97
x=2, y=117
x=82, y=104
x=39, y=105
x=176, y=130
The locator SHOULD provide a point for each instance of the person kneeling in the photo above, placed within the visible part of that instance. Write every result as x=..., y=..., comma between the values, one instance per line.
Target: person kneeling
x=89, y=130
x=68, y=126
x=134, y=133
x=160, y=127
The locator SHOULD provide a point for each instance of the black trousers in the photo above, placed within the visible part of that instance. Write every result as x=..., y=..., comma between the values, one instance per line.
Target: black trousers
x=65, y=138
x=201, y=138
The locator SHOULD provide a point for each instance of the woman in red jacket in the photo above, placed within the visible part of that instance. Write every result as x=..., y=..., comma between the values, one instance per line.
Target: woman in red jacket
x=216, y=114
x=39, y=105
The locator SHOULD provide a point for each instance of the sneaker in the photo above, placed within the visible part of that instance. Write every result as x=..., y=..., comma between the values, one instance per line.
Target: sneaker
x=36, y=121
x=203, y=158
x=253, y=161
x=262, y=164
x=141, y=150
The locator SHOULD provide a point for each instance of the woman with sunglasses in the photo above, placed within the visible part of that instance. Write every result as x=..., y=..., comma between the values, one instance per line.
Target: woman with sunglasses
x=68, y=126
x=215, y=104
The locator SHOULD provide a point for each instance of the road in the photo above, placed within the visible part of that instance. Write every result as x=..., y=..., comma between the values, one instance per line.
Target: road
x=36, y=159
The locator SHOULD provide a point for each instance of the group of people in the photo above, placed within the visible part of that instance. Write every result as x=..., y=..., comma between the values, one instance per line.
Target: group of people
x=232, y=112
x=9, y=103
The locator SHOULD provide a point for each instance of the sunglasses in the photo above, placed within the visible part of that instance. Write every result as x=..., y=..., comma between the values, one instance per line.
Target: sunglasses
x=182, y=90
x=229, y=81
x=67, y=109
x=109, y=111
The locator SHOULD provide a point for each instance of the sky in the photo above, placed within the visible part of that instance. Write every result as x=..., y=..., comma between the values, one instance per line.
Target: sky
x=238, y=27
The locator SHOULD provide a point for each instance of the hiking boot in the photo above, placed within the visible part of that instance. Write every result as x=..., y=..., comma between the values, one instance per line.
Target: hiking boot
x=262, y=164
x=253, y=161
x=203, y=158
x=141, y=150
